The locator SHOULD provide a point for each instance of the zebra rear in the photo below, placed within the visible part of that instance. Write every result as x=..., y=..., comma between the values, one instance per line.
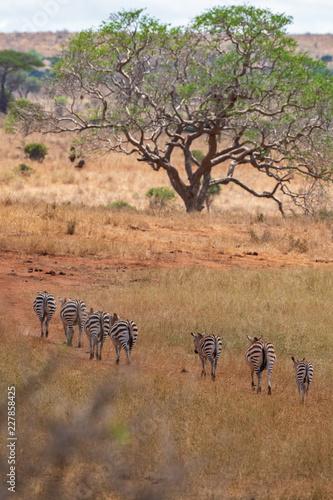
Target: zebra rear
x=303, y=374
x=45, y=307
x=208, y=347
x=73, y=312
x=97, y=327
x=124, y=334
x=260, y=356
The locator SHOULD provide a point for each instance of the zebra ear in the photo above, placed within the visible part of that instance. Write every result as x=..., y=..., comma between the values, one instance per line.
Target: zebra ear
x=303, y=359
x=250, y=338
x=292, y=357
x=91, y=310
x=192, y=334
x=260, y=337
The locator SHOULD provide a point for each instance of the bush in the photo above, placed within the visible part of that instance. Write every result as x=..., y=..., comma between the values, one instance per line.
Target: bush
x=198, y=155
x=163, y=193
x=36, y=151
x=120, y=205
x=159, y=196
x=25, y=169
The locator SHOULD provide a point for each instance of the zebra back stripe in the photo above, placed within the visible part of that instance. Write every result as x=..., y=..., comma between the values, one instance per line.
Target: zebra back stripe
x=260, y=356
x=208, y=347
x=124, y=334
x=44, y=306
x=303, y=374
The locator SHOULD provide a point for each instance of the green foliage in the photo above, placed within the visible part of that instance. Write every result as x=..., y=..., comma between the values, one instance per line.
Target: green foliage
x=12, y=61
x=36, y=151
x=198, y=155
x=327, y=58
x=231, y=77
x=120, y=205
x=18, y=110
x=161, y=193
x=25, y=169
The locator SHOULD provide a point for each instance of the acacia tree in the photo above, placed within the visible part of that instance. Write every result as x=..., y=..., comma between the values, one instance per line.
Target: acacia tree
x=12, y=64
x=232, y=77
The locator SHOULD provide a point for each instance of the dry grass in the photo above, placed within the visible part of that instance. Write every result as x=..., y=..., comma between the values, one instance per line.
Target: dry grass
x=124, y=432
x=93, y=430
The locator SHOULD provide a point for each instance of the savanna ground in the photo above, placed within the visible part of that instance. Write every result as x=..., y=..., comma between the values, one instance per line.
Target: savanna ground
x=156, y=429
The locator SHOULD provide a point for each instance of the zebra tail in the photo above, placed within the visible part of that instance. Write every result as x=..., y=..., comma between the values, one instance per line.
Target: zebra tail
x=131, y=339
x=215, y=347
x=264, y=360
x=101, y=332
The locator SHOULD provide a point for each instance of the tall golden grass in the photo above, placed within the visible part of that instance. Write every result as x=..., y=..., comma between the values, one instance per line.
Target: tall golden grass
x=152, y=429
x=156, y=429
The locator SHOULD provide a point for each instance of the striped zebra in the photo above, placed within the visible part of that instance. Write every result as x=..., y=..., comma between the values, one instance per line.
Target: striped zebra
x=73, y=312
x=124, y=334
x=97, y=326
x=260, y=356
x=303, y=373
x=44, y=306
x=208, y=347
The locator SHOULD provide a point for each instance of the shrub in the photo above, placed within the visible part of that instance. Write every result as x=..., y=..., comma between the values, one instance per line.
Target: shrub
x=198, y=155
x=23, y=169
x=159, y=197
x=120, y=205
x=36, y=151
x=162, y=193
x=327, y=58
x=71, y=224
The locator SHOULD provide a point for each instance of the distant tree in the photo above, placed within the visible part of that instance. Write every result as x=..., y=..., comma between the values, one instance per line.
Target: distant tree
x=327, y=58
x=232, y=78
x=12, y=62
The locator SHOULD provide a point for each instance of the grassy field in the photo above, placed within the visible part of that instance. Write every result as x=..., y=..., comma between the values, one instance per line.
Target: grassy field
x=94, y=430
x=156, y=429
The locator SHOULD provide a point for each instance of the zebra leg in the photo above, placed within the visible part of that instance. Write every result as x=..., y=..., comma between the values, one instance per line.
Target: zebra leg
x=259, y=382
x=80, y=334
x=252, y=381
x=70, y=335
x=47, y=326
x=269, y=383
x=42, y=325
x=100, y=350
x=203, y=361
x=212, y=372
x=117, y=353
x=91, y=348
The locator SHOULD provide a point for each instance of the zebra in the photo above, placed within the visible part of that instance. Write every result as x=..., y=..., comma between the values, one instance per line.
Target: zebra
x=208, y=347
x=44, y=306
x=73, y=312
x=124, y=334
x=97, y=326
x=260, y=356
x=303, y=373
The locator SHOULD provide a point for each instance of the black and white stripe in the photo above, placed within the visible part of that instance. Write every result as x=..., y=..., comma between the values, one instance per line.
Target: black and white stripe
x=124, y=334
x=73, y=312
x=44, y=306
x=260, y=356
x=303, y=374
x=97, y=327
x=208, y=347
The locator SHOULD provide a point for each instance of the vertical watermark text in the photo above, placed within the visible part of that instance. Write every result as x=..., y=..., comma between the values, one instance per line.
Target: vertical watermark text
x=11, y=439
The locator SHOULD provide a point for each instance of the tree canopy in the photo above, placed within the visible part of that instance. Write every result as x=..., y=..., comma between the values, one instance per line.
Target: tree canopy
x=233, y=77
x=12, y=64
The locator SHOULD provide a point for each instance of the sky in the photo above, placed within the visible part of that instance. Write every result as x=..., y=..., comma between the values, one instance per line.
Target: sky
x=309, y=16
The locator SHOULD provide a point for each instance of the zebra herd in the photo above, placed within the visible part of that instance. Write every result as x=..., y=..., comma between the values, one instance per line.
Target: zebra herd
x=96, y=324
x=259, y=356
